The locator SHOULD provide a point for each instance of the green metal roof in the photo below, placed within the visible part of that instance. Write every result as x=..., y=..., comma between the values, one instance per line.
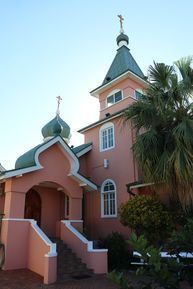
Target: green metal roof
x=79, y=148
x=122, y=62
x=27, y=159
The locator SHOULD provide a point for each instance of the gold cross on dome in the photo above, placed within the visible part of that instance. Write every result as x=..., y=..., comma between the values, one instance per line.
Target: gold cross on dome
x=121, y=21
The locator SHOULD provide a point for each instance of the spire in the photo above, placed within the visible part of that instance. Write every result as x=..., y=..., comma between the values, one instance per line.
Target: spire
x=122, y=39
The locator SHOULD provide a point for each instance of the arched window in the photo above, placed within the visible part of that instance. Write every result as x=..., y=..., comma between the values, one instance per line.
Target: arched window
x=108, y=199
x=106, y=136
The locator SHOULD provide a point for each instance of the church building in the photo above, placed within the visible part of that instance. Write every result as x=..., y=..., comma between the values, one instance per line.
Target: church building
x=62, y=196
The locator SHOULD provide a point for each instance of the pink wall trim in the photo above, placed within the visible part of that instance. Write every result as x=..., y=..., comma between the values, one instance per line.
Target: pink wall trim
x=95, y=259
x=29, y=248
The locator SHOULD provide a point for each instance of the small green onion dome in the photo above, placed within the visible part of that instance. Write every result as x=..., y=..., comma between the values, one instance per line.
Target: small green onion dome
x=122, y=37
x=56, y=127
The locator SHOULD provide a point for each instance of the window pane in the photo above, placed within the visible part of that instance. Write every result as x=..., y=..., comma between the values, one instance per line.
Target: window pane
x=138, y=95
x=104, y=139
x=106, y=187
x=112, y=203
x=110, y=100
x=118, y=96
x=110, y=137
x=111, y=187
x=106, y=201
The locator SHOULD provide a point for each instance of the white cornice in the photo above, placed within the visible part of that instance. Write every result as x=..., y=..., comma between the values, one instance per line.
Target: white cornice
x=123, y=76
x=101, y=122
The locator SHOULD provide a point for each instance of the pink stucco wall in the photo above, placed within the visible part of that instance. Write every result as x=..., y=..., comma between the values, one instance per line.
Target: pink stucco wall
x=56, y=166
x=36, y=251
x=83, y=165
x=37, y=259
x=14, y=235
x=24, y=248
x=93, y=259
x=122, y=170
x=128, y=87
x=52, y=209
x=2, y=203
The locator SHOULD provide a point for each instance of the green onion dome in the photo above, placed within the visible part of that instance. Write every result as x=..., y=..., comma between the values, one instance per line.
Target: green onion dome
x=122, y=38
x=56, y=127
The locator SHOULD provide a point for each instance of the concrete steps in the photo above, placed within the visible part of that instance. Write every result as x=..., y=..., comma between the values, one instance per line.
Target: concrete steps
x=68, y=264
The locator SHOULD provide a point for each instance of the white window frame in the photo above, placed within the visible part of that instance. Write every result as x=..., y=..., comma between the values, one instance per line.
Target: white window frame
x=112, y=93
x=102, y=199
x=103, y=128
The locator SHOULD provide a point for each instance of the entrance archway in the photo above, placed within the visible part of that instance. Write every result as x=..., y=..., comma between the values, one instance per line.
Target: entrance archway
x=33, y=206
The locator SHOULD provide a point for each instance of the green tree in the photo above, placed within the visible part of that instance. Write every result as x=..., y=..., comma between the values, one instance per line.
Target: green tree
x=163, y=120
x=148, y=216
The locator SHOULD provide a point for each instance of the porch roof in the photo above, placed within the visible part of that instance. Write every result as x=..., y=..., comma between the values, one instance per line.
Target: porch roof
x=82, y=149
x=29, y=162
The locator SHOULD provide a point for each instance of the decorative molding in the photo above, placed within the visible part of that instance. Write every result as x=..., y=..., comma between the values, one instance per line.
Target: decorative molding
x=74, y=161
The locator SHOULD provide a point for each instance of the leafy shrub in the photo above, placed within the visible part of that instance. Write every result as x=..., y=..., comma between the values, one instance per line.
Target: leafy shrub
x=147, y=215
x=118, y=254
x=163, y=271
x=120, y=279
x=182, y=241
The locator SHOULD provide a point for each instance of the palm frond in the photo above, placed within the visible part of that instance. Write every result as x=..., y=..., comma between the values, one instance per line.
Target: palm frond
x=163, y=120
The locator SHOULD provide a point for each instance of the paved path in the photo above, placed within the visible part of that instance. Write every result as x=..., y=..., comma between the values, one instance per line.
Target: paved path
x=25, y=279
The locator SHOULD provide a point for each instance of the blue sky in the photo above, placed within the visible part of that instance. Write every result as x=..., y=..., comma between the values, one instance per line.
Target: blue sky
x=60, y=47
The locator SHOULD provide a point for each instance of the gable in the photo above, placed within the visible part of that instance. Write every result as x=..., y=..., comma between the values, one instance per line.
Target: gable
x=48, y=155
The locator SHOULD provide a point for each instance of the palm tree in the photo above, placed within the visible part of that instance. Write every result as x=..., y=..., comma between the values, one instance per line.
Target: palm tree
x=163, y=120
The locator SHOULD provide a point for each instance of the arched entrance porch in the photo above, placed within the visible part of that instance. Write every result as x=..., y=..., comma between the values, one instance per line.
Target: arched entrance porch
x=48, y=204
x=33, y=206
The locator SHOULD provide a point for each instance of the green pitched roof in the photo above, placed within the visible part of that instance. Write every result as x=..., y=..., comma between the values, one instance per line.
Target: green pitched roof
x=122, y=62
x=79, y=148
x=27, y=159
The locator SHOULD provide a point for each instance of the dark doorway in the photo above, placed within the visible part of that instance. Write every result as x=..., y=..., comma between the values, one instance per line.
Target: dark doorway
x=33, y=206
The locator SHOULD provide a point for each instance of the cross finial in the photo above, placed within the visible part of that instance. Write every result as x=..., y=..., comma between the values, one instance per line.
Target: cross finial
x=58, y=100
x=121, y=22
